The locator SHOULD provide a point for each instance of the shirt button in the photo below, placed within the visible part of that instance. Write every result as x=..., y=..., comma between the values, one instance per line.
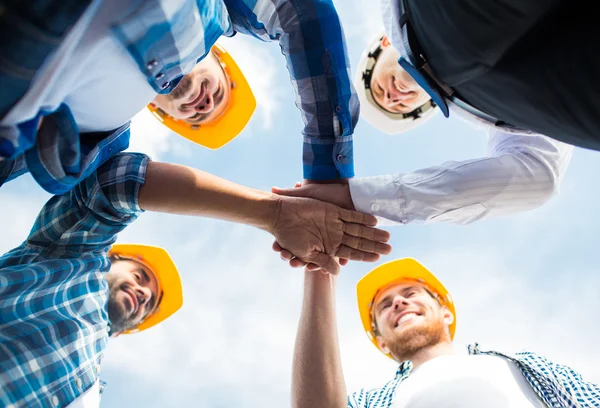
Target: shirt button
x=152, y=64
x=338, y=109
x=78, y=382
x=340, y=157
x=165, y=85
x=55, y=400
x=375, y=207
x=160, y=76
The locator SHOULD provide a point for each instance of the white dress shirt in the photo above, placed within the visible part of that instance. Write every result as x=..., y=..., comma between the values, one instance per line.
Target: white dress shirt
x=521, y=171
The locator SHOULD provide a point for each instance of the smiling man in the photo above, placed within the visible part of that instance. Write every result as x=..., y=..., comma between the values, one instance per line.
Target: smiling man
x=521, y=170
x=66, y=289
x=201, y=96
x=410, y=317
x=62, y=114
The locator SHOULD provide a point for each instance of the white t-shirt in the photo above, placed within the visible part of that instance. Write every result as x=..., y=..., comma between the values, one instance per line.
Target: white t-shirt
x=89, y=399
x=466, y=381
x=92, y=73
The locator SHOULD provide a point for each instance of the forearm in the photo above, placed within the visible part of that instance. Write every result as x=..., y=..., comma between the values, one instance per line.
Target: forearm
x=458, y=192
x=312, y=41
x=182, y=190
x=318, y=380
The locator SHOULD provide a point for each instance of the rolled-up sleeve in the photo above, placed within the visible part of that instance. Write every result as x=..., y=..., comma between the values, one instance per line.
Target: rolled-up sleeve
x=312, y=40
x=89, y=216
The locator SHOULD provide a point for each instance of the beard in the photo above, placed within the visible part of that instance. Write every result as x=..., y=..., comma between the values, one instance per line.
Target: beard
x=405, y=344
x=118, y=316
x=182, y=88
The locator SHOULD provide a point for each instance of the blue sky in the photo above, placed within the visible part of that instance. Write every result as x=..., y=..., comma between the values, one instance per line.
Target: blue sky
x=524, y=281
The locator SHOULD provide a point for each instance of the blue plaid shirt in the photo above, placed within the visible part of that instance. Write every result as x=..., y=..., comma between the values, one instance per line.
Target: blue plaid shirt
x=558, y=386
x=166, y=44
x=53, y=296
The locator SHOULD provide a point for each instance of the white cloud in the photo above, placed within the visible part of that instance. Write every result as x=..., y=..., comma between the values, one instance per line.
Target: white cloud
x=151, y=137
x=260, y=68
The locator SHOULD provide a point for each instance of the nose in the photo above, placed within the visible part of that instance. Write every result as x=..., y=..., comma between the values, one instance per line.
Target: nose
x=143, y=294
x=393, y=96
x=399, y=302
x=206, y=105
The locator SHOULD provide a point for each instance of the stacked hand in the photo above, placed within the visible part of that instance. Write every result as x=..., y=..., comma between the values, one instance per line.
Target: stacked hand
x=315, y=234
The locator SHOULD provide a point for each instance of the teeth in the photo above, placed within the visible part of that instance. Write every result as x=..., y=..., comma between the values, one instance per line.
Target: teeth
x=406, y=317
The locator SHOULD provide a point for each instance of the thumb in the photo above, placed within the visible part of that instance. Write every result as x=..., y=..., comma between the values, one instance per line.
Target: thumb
x=290, y=192
x=326, y=263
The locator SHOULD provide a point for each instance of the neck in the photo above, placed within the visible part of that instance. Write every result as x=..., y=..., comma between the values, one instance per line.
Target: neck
x=427, y=353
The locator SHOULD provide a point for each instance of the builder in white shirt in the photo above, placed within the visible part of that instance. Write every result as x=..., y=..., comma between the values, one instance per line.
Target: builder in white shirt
x=521, y=171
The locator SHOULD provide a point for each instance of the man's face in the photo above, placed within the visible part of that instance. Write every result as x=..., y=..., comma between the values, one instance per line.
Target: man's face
x=201, y=96
x=409, y=319
x=133, y=294
x=392, y=87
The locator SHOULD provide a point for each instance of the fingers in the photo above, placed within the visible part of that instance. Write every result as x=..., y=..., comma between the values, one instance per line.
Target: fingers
x=290, y=192
x=327, y=263
x=287, y=256
x=357, y=217
x=356, y=255
x=360, y=231
x=297, y=263
x=365, y=245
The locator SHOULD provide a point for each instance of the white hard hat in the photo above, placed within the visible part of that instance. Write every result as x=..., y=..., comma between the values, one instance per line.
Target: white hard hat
x=390, y=123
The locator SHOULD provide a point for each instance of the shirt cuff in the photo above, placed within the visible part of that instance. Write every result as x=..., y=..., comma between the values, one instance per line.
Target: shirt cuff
x=121, y=179
x=328, y=161
x=379, y=196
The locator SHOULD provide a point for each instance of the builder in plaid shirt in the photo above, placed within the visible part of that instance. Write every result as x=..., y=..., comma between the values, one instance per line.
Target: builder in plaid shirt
x=86, y=68
x=409, y=316
x=61, y=298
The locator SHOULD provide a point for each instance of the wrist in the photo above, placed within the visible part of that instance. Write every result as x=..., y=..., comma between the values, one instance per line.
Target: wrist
x=265, y=211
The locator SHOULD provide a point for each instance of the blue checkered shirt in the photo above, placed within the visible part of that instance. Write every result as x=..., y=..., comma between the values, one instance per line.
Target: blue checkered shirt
x=558, y=386
x=166, y=43
x=53, y=296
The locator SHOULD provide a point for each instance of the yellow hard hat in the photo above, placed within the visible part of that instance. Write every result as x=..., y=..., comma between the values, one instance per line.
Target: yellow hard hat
x=157, y=260
x=232, y=121
x=393, y=272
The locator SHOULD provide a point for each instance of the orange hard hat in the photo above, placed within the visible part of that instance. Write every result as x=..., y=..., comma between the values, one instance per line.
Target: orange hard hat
x=231, y=122
x=159, y=262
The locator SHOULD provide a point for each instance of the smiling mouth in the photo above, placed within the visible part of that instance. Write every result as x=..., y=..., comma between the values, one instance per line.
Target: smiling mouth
x=405, y=317
x=134, y=302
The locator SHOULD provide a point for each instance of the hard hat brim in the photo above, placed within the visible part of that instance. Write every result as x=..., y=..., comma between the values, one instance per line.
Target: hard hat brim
x=233, y=120
x=398, y=271
x=162, y=266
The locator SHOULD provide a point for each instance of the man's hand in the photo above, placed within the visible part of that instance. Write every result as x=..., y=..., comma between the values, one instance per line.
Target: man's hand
x=315, y=233
x=338, y=194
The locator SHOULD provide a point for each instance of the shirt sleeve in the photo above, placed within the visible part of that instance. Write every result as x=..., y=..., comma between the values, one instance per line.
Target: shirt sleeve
x=358, y=399
x=521, y=172
x=311, y=38
x=89, y=217
x=585, y=392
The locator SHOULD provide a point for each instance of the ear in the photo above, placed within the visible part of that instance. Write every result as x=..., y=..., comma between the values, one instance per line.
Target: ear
x=448, y=316
x=382, y=345
x=152, y=104
x=385, y=42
